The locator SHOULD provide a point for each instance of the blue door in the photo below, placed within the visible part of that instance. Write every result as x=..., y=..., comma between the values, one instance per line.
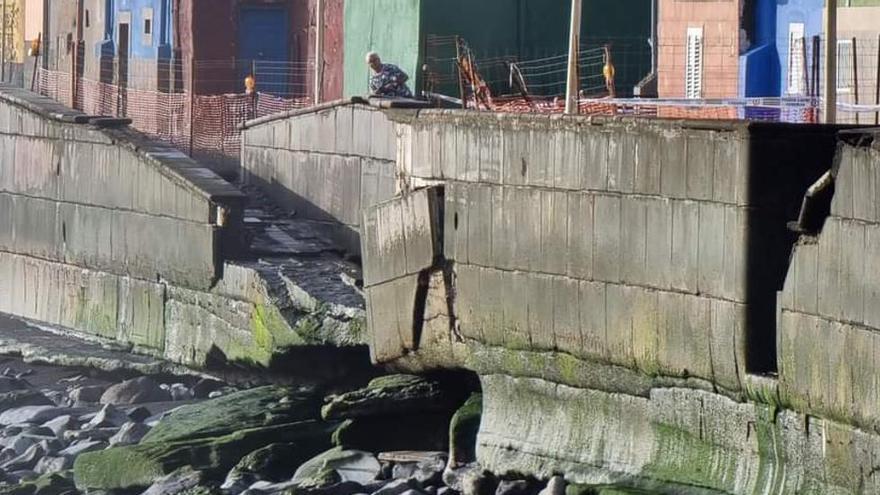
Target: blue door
x=263, y=48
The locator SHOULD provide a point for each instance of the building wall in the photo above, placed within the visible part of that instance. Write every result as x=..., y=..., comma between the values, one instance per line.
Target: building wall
x=810, y=14
x=720, y=22
x=516, y=29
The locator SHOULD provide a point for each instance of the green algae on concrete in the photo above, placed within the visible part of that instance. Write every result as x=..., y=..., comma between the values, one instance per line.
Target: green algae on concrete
x=463, y=430
x=389, y=395
x=212, y=437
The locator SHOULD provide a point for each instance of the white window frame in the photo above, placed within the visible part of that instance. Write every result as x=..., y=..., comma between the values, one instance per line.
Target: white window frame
x=693, y=67
x=796, y=61
x=845, y=83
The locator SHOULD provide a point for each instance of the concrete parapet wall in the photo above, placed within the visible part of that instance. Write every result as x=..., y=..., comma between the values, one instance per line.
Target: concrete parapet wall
x=108, y=199
x=325, y=163
x=829, y=321
x=656, y=246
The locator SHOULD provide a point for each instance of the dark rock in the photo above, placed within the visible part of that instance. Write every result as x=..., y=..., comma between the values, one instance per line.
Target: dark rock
x=23, y=476
x=415, y=431
x=431, y=490
x=21, y=443
x=209, y=437
x=270, y=463
x=350, y=465
x=430, y=472
x=397, y=487
x=180, y=392
x=470, y=480
x=130, y=433
x=9, y=384
x=463, y=430
x=395, y=395
x=137, y=391
x=7, y=454
x=175, y=483
x=27, y=460
x=205, y=386
x=21, y=398
x=516, y=487
x=86, y=395
x=139, y=414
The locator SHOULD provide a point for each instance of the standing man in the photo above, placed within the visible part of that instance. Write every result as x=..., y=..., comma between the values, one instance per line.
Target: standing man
x=387, y=79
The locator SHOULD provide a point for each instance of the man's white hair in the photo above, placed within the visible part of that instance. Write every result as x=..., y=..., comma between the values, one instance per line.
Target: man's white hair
x=370, y=56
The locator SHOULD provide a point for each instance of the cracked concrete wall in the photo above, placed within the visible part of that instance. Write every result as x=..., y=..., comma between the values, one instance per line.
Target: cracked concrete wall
x=829, y=319
x=654, y=246
x=96, y=223
x=326, y=163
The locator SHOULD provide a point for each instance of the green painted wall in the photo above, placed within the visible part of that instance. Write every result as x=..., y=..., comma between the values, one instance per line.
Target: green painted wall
x=521, y=29
x=389, y=27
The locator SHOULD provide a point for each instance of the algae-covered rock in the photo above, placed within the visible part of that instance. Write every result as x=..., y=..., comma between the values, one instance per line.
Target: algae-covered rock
x=463, y=430
x=276, y=462
x=259, y=407
x=50, y=484
x=210, y=437
x=389, y=395
x=349, y=465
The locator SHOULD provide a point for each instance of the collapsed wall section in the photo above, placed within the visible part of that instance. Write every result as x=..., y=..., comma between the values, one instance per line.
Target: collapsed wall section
x=829, y=319
x=325, y=164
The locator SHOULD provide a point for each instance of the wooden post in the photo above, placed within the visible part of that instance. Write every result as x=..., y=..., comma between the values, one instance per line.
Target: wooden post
x=877, y=85
x=36, y=59
x=855, y=74
x=574, y=41
x=319, y=50
x=830, y=103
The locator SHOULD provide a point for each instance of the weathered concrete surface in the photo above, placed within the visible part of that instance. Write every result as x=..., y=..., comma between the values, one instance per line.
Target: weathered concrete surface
x=107, y=199
x=326, y=163
x=675, y=441
x=654, y=246
x=829, y=319
x=106, y=233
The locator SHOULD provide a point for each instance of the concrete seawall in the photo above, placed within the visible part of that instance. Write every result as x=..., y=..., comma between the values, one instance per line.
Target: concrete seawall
x=325, y=163
x=621, y=285
x=105, y=232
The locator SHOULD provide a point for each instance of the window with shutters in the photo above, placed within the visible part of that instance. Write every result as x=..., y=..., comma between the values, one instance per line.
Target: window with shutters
x=693, y=79
x=796, y=59
x=845, y=78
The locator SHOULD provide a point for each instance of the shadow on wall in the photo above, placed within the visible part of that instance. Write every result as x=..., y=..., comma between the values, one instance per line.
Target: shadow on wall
x=776, y=190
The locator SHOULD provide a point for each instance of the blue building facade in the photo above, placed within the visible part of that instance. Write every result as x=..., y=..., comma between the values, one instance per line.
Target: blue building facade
x=759, y=65
x=797, y=22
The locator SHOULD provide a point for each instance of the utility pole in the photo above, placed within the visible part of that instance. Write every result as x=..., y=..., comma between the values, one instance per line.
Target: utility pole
x=571, y=91
x=3, y=47
x=319, y=50
x=830, y=105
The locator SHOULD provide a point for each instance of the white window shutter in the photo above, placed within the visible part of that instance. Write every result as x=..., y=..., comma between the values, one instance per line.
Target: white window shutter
x=693, y=79
x=796, y=46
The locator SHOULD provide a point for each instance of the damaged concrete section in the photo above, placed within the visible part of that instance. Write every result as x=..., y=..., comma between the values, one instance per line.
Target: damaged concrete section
x=403, y=236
